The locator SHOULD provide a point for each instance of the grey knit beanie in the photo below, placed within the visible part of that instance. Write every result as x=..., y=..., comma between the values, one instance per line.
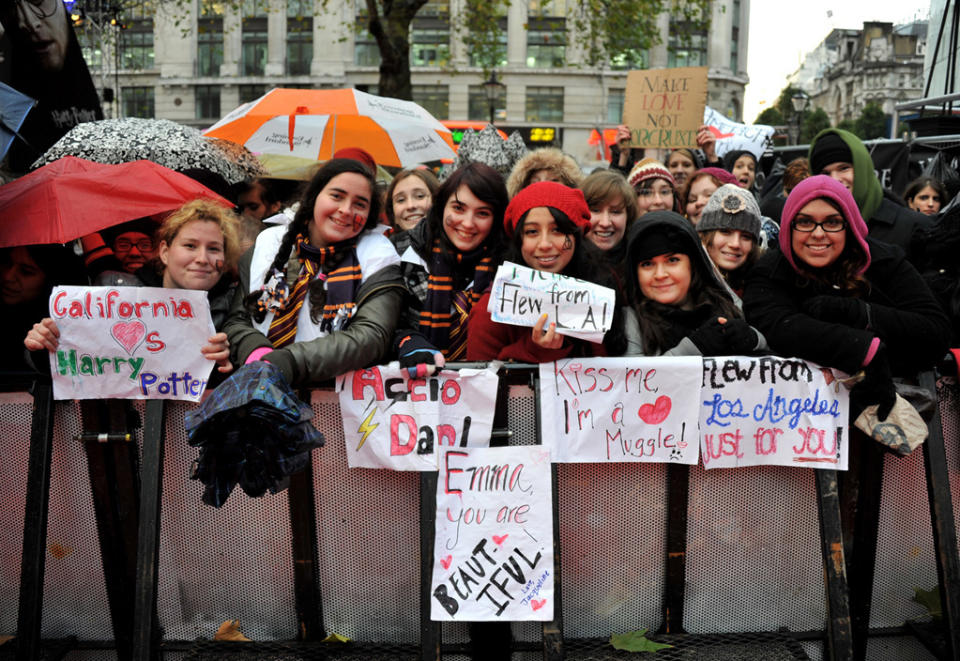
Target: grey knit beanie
x=731, y=208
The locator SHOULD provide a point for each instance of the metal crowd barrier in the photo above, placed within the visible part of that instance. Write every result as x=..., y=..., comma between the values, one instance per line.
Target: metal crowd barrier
x=105, y=556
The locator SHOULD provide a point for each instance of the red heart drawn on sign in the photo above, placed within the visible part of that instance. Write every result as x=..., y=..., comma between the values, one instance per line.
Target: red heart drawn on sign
x=129, y=334
x=537, y=604
x=445, y=562
x=654, y=414
x=498, y=539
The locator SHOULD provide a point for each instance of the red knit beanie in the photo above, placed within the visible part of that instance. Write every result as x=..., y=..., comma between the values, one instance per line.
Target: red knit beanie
x=569, y=201
x=357, y=154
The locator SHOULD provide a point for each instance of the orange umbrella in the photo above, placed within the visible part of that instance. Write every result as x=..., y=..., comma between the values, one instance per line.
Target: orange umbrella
x=313, y=124
x=72, y=197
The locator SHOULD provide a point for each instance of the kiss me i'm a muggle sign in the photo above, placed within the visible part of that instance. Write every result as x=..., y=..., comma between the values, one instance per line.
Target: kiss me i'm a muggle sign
x=130, y=343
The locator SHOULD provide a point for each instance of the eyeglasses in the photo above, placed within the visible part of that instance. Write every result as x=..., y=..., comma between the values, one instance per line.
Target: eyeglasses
x=125, y=245
x=830, y=225
x=40, y=8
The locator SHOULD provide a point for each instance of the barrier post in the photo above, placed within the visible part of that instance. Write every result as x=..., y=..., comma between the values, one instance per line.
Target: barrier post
x=678, y=498
x=145, y=624
x=430, y=632
x=30, y=608
x=943, y=524
x=303, y=542
x=839, y=632
x=551, y=632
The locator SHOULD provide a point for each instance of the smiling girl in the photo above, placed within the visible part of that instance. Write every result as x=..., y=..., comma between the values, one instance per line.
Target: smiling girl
x=729, y=227
x=545, y=225
x=320, y=297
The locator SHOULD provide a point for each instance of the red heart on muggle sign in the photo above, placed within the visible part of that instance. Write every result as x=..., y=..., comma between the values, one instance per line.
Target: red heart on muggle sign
x=654, y=414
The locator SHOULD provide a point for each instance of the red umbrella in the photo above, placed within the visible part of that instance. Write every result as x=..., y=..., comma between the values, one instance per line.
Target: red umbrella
x=71, y=198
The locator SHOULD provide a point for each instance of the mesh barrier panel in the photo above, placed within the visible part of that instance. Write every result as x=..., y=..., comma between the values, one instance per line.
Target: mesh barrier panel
x=231, y=563
x=754, y=562
x=16, y=412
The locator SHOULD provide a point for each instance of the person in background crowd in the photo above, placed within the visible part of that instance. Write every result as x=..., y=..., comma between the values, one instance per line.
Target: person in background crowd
x=742, y=165
x=678, y=305
x=682, y=163
x=622, y=156
x=321, y=296
x=544, y=225
x=197, y=249
x=842, y=156
x=700, y=186
x=27, y=276
x=124, y=247
x=796, y=171
x=654, y=185
x=258, y=199
x=926, y=195
x=838, y=297
x=730, y=229
x=546, y=164
x=451, y=260
x=409, y=198
x=613, y=208
x=938, y=264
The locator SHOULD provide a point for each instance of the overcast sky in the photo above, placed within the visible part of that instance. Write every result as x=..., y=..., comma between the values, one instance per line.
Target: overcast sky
x=782, y=33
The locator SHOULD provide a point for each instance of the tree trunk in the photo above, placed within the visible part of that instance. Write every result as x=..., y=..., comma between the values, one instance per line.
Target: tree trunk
x=391, y=29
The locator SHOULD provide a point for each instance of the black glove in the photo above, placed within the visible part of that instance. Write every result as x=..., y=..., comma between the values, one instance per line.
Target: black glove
x=839, y=310
x=875, y=388
x=739, y=336
x=414, y=349
x=710, y=338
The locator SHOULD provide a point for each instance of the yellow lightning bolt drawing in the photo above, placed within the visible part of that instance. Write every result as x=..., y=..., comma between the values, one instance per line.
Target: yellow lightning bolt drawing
x=366, y=428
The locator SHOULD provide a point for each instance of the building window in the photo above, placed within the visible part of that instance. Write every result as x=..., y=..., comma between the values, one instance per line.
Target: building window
x=546, y=43
x=544, y=104
x=137, y=102
x=366, y=53
x=615, y=106
x=687, y=46
x=299, y=46
x=499, y=55
x=435, y=8
x=253, y=56
x=90, y=47
x=478, y=107
x=209, y=46
x=249, y=93
x=372, y=88
x=631, y=59
x=207, y=101
x=300, y=8
x=136, y=46
x=429, y=44
x=435, y=99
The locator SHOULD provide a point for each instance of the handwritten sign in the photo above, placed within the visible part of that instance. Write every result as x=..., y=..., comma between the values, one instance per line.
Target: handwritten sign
x=130, y=343
x=621, y=409
x=733, y=136
x=493, y=554
x=393, y=421
x=772, y=411
x=521, y=295
x=664, y=107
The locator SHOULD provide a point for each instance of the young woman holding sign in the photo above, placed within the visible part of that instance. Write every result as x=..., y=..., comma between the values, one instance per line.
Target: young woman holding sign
x=198, y=248
x=680, y=306
x=834, y=296
x=320, y=297
x=545, y=224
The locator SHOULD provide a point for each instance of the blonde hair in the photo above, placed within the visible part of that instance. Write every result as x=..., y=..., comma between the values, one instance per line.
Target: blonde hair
x=207, y=211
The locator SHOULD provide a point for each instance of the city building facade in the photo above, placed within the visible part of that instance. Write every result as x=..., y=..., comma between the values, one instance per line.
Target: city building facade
x=195, y=65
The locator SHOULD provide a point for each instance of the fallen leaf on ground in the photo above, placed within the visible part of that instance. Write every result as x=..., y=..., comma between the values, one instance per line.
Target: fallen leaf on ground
x=230, y=630
x=336, y=638
x=635, y=641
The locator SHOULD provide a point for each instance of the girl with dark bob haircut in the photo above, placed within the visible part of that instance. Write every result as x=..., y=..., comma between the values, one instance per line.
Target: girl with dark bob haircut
x=320, y=297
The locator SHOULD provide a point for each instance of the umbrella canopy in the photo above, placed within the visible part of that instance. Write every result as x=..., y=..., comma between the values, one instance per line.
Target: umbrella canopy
x=71, y=198
x=313, y=124
x=164, y=142
x=14, y=107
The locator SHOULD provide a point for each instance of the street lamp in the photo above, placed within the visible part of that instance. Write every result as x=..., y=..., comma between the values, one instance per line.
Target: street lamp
x=800, y=99
x=492, y=87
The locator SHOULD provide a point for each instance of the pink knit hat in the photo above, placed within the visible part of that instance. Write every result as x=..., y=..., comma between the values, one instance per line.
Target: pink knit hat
x=828, y=188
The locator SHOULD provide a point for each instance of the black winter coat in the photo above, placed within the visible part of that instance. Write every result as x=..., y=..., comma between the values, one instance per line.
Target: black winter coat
x=903, y=313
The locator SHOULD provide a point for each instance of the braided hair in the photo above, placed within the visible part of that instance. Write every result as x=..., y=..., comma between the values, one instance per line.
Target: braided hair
x=301, y=225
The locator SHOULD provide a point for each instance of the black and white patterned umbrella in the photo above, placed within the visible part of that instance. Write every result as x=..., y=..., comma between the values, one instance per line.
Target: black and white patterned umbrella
x=178, y=147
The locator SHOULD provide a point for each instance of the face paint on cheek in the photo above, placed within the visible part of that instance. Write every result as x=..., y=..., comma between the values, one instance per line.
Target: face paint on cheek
x=567, y=243
x=358, y=222
x=218, y=266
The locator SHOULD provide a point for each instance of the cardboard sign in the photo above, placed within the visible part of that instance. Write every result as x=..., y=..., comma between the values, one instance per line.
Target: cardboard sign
x=130, y=343
x=493, y=554
x=393, y=421
x=733, y=136
x=664, y=107
x=772, y=411
x=621, y=409
x=521, y=295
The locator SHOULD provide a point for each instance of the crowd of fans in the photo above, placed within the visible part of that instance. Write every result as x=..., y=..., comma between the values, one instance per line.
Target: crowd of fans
x=344, y=271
